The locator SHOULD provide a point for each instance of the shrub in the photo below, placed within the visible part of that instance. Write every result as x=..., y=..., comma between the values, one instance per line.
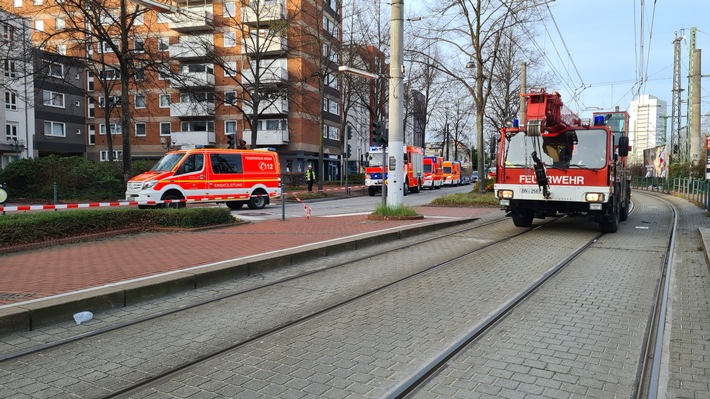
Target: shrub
x=25, y=228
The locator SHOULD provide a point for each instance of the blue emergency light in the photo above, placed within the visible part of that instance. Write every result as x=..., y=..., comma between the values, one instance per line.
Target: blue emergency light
x=599, y=120
x=516, y=122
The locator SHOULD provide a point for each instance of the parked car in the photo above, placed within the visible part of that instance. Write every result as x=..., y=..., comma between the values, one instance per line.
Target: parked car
x=474, y=177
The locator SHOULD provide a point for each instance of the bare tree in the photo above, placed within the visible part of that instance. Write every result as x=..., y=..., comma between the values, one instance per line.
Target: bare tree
x=473, y=30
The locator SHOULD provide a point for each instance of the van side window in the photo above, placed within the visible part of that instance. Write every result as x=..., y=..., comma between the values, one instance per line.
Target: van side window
x=192, y=163
x=226, y=163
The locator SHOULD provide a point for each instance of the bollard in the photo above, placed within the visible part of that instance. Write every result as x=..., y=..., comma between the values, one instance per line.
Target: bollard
x=55, y=193
x=283, y=201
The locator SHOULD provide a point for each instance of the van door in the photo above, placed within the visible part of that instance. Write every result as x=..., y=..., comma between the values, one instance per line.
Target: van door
x=227, y=176
x=190, y=176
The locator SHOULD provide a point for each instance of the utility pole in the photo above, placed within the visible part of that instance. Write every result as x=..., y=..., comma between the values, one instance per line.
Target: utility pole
x=523, y=90
x=395, y=178
x=694, y=110
x=676, y=154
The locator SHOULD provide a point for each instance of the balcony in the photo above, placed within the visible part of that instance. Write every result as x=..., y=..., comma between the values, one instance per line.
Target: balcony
x=191, y=20
x=279, y=106
x=267, y=44
x=271, y=137
x=192, y=109
x=271, y=71
x=263, y=13
x=192, y=80
x=193, y=138
x=192, y=47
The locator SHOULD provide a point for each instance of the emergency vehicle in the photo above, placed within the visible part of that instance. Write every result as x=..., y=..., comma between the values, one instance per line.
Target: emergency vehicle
x=452, y=173
x=433, y=172
x=413, y=167
x=235, y=177
x=554, y=163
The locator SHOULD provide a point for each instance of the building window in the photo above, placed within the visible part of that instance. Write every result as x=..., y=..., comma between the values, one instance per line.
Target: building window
x=165, y=128
x=110, y=74
x=140, y=129
x=90, y=107
x=165, y=101
x=112, y=100
x=11, y=132
x=139, y=46
x=62, y=49
x=230, y=68
x=115, y=128
x=230, y=127
x=230, y=97
x=54, y=69
x=10, y=100
x=228, y=9
x=10, y=69
x=54, y=129
x=8, y=33
x=230, y=39
x=163, y=18
x=39, y=25
x=91, y=134
x=140, y=101
x=17, y=3
x=53, y=99
x=139, y=20
x=117, y=154
x=38, y=2
x=163, y=43
x=59, y=24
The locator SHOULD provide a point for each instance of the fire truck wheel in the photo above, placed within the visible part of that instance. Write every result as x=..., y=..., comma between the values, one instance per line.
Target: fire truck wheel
x=257, y=201
x=173, y=205
x=371, y=191
x=610, y=223
x=624, y=214
x=405, y=188
x=234, y=205
x=522, y=218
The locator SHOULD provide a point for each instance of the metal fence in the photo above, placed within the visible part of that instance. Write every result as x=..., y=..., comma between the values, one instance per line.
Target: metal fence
x=692, y=189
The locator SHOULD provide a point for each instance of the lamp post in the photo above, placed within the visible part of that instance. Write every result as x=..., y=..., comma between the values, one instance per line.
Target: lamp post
x=395, y=176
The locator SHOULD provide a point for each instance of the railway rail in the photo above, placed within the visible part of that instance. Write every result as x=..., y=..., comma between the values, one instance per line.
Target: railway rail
x=469, y=251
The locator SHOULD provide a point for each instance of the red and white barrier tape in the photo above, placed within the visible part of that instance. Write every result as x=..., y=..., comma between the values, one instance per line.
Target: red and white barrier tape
x=305, y=207
x=45, y=207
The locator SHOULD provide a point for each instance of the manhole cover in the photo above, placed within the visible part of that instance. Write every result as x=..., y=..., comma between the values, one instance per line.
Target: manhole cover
x=254, y=213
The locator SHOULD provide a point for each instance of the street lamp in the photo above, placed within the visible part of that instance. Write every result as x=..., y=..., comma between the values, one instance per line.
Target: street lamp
x=395, y=176
x=166, y=143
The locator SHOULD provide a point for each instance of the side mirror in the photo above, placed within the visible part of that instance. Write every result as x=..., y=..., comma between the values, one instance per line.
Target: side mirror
x=623, y=146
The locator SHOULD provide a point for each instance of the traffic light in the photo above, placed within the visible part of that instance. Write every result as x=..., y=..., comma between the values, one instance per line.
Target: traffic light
x=230, y=141
x=242, y=145
x=348, y=151
x=350, y=132
x=377, y=133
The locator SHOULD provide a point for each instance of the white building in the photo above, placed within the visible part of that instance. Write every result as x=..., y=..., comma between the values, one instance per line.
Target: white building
x=647, y=125
x=16, y=83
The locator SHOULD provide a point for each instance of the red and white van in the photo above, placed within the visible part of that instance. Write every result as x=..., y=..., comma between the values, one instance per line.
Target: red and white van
x=235, y=177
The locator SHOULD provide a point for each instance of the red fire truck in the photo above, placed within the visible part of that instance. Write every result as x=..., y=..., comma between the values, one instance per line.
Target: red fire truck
x=413, y=166
x=554, y=163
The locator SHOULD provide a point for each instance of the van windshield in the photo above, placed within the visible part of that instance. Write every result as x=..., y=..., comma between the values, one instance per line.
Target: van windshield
x=167, y=162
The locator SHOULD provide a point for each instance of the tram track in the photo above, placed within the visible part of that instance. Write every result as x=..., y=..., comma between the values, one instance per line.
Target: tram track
x=404, y=388
x=649, y=364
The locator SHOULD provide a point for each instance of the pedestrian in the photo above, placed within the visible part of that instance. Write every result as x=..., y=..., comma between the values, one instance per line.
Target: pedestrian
x=310, y=177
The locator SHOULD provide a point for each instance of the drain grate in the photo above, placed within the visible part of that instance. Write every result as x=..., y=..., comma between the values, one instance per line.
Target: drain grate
x=10, y=296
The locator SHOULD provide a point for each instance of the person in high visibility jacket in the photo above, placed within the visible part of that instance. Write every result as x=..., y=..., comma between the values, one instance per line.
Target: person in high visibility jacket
x=310, y=177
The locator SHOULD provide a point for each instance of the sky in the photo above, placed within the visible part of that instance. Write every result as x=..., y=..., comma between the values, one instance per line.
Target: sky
x=598, y=54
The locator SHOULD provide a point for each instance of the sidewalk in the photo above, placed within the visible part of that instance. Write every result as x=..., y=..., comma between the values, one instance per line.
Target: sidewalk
x=43, y=285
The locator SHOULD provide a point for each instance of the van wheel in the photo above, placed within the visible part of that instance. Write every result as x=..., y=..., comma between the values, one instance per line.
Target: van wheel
x=257, y=201
x=173, y=205
x=234, y=205
x=522, y=218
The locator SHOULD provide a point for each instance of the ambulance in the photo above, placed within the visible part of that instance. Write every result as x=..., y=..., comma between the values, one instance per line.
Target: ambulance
x=235, y=177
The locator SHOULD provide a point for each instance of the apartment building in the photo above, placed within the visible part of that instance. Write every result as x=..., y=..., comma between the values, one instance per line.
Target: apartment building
x=647, y=125
x=262, y=71
x=17, y=115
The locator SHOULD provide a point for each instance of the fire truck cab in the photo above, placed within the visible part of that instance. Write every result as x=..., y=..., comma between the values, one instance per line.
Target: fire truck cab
x=555, y=164
x=376, y=175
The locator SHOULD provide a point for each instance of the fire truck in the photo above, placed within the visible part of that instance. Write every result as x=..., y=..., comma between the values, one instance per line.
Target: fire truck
x=433, y=172
x=554, y=164
x=413, y=169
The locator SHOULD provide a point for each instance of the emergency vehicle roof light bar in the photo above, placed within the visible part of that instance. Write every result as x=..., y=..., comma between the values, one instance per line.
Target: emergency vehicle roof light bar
x=599, y=120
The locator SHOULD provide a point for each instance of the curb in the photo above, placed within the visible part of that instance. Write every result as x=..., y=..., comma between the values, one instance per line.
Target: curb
x=42, y=312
